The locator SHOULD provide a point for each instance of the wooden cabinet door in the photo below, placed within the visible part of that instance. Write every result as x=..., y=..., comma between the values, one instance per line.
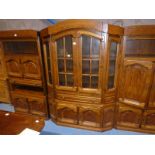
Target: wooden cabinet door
x=152, y=93
x=135, y=82
x=108, y=116
x=20, y=103
x=90, y=116
x=67, y=113
x=4, y=92
x=149, y=120
x=1, y=68
x=31, y=66
x=13, y=66
x=37, y=106
x=129, y=117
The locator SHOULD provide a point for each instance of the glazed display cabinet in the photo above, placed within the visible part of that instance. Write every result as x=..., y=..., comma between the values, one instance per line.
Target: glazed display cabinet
x=82, y=59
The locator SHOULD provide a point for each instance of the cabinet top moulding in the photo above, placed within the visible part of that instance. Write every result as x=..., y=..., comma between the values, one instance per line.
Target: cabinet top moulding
x=95, y=25
x=18, y=34
x=140, y=30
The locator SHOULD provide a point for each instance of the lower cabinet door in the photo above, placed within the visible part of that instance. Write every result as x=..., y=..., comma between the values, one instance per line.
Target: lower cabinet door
x=67, y=113
x=20, y=103
x=90, y=116
x=129, y=117
x=149, y=120
x=108, y=116
x=37, y=106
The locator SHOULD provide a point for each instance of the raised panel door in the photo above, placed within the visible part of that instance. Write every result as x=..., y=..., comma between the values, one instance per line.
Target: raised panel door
x=13, y=66
x=31, y=66
x=135, y=82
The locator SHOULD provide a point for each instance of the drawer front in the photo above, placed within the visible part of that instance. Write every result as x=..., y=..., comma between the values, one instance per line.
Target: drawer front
x=108, y=116
x=37, y=105
x=90, y=116
x=129, y=117
x=148, y=120
x=20, y=103
x=4, y=92
x=67, y=113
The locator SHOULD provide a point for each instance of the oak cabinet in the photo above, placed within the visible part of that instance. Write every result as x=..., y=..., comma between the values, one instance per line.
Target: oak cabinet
x=129, y=117
x=149, y=120
x=135, y=82
x=81, y=65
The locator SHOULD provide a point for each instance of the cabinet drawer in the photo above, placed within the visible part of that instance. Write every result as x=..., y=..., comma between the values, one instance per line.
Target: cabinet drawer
x=37, y=105
x=128, y=116
x=148, y=120
x=90, y=116
x=20, y=103
x=67, y=113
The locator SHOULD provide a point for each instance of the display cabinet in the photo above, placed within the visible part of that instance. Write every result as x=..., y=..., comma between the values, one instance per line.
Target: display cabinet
x=23, y=61
x=136, y=81
x=81, y=59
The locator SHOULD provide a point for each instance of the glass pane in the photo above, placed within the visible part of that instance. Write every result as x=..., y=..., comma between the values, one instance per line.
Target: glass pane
x=95, y=67
x=69, y=80
x=68, y=46
x=60, y=47
x=62, y=79
x=95, y=47
x=61, y=66
x=94, y=82
x=85, y=46
x=111, y=82
x=69, y=66
x=112, y=63
x=85, y=81
x=85, y=67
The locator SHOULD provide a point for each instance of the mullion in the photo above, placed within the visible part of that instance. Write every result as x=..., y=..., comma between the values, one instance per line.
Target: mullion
x=65, y=62
x=90, y=62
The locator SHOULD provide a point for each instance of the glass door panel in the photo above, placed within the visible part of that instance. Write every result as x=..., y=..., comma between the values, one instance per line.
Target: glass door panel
x=90, y=61
x=65, y=61
x=112, y=64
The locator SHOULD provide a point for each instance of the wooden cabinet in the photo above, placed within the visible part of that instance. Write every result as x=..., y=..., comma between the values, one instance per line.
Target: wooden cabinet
x=135, y=82
x=67, y=113
x=129, y=117
x=148, y=120
x=76, y=54
x=90, y=116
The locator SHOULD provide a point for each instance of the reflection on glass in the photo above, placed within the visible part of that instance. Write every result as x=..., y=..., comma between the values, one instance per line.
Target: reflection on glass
x=112, y=64
x=95, y=66
x=68, y=46
x=85, y=46
x=95, y=47
x=85, y=66
x=60, y=48
x=62, y=79
x=69, y=80
x=69, y=66
x=94, y=81
x=61, y=65
x=86, y=81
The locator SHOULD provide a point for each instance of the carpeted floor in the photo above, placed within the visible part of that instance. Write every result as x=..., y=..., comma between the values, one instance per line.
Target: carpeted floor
x=51, y=128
